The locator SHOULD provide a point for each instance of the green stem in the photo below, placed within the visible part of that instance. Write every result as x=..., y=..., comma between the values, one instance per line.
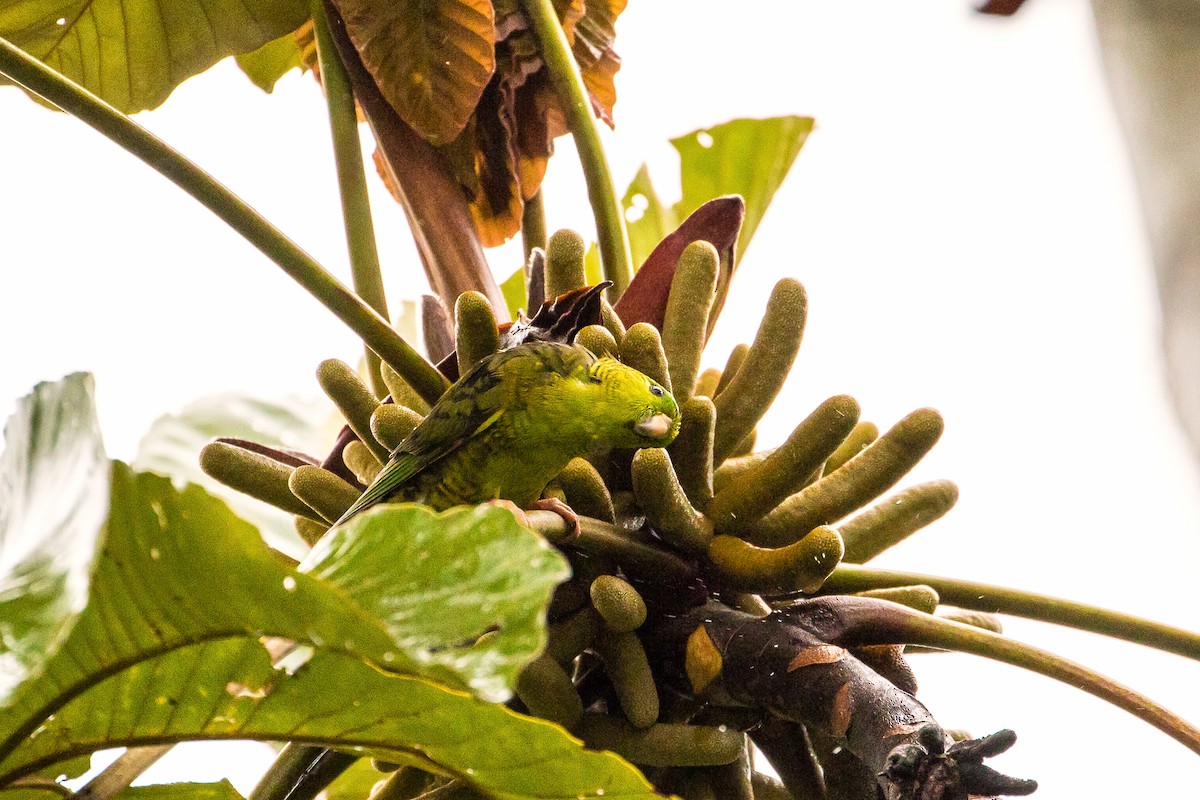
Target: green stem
x=1043, y=608
x=604, y=538
x=577, y=106
x=352, y=181
x=533, y=226
x=931, y=631
x=299, y=265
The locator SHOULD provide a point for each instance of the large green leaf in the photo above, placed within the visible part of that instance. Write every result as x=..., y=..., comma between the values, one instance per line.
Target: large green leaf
x=221, y=790
x=515, y=296
x=356, y=782
x=173, y=443
x=49, y=783
x=133, y=53
x=468, y=572
x=747, y=157
x=266, y=65
x=229, y=689
x=430, y=58
x=648, y=220
x=750, y=157
x=53, y=501
x=178, y=568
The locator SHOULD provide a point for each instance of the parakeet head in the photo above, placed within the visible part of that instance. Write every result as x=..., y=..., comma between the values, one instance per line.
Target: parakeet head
x=633, y=409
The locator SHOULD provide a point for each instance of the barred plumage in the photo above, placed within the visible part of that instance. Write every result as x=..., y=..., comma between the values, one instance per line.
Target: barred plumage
x=508, y=426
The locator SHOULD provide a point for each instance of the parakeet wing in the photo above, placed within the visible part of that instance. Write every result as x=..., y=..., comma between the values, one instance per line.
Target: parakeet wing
x=468, y=408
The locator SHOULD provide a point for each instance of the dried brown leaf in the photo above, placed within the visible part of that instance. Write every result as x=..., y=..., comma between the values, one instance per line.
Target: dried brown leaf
x=430, y=58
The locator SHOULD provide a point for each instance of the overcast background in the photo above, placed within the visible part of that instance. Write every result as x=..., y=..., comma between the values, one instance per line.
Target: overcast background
x=963, y=218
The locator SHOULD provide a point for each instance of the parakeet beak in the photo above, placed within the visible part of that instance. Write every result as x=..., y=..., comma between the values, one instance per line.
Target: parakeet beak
x=655, y=426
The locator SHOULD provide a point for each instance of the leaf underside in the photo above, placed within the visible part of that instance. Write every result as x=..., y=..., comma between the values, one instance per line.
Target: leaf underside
x=133, y=53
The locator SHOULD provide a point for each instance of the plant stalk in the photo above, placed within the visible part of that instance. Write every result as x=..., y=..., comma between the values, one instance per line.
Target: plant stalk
x=123, y=772
x=352, y=181
x=235, y=212
x=533, y=226
x=931, y=631
x=613, y=239
x=1043, y=608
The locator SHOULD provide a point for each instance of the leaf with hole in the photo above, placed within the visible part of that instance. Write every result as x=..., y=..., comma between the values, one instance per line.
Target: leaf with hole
x=228, y=689
x=178, y=569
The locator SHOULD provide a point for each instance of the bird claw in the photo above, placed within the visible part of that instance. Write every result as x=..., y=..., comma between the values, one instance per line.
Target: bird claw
x=563, y=510
x=512, y=507
x=545, y=504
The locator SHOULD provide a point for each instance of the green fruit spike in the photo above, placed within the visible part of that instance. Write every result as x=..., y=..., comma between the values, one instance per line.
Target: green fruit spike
x=476, y=335
x=731, y=781
x=891, y=521
x=919, y=597
x=802, y=566
x=691, y=452
x=751, y=391
x=787, y=469
x=863, y=434
x=573, y=635
x=254, y=474
x=662, y=498
x=664, y=744
x=547, y=691
x=642, y=349
x=599, y=340
x=737, y=468
x=628, y=669
x=359, y=459
x=585, y=490
x=403, y=394
x=619, y=604
x=746, y=446
x=564, y=264
x=353, y=399
x=685, y=322
x=310, y=531
x=855, y=484
x=322, y=491
x=732, y=364
x=391, y=424
x=611, y=320
x=706, y=384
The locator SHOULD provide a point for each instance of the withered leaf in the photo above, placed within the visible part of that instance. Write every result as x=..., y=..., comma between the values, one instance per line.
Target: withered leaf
x=430, y=58
x=500, y=158
x=595, y=33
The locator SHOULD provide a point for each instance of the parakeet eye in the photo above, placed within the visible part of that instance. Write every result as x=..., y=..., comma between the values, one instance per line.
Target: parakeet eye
x=595, y=379
x=657, y=391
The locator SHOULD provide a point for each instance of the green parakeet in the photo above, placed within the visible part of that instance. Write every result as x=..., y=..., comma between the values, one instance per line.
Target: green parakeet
x=508, y=426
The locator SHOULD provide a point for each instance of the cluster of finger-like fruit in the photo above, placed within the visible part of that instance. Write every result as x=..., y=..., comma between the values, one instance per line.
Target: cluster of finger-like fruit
x=700, y=616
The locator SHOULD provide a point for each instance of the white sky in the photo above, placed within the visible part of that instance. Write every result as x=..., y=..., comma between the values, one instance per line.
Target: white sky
x=963, y=218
